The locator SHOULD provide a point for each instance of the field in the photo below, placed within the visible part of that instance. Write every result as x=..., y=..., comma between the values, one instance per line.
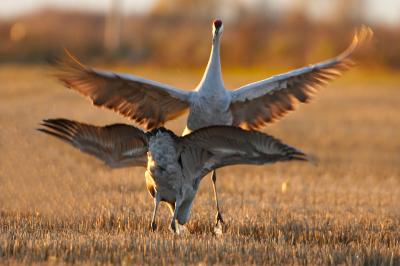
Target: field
x=59, y=205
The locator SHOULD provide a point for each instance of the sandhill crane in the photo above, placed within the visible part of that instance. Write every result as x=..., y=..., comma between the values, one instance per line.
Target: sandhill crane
x=174, y=165
x=251, y=106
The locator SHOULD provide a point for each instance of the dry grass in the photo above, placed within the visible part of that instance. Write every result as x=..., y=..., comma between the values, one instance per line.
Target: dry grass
x=58, y=205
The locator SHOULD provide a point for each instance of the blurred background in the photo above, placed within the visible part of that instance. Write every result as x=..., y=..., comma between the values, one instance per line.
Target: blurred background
x=177, y=33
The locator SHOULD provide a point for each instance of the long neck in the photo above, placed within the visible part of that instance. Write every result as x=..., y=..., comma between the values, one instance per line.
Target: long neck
x=212, y=78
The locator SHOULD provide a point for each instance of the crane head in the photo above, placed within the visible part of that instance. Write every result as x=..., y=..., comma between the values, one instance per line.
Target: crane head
x=218, y=27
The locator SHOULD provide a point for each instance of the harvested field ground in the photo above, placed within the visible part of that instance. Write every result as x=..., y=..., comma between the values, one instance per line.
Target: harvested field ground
x=59, y=205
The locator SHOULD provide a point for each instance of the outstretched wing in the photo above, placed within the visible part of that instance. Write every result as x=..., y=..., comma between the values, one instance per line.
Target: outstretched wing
x=210, y=148
x=147, y=102
x=265, y=101
x=118, y=145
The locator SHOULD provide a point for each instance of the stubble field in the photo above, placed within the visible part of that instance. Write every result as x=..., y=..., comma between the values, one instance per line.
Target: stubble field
x=59, y=205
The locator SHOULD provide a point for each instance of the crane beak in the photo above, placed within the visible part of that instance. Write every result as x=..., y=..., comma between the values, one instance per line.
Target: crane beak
x=217, y=32
x=217, y=29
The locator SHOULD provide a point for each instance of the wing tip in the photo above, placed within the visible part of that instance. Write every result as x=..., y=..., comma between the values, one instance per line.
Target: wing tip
x=306, y=158
x=362, y=35
x=61, y=127
x=71, y=59
x=67, y=66
x=296, y=154
x=55, y=133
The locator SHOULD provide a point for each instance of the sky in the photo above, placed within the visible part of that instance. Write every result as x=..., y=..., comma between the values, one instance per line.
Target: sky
x=383, y=11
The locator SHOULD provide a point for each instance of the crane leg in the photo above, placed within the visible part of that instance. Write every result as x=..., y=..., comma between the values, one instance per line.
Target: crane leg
x=153, y=224
x=175, y=215
x=218, y=216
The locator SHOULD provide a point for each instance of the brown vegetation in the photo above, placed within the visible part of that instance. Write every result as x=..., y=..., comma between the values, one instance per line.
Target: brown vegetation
x=58, y=205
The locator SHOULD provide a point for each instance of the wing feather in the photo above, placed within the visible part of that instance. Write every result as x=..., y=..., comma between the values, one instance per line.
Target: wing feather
x=118, y=145
x=147, y=102
x=209, y=148
x=265, y=101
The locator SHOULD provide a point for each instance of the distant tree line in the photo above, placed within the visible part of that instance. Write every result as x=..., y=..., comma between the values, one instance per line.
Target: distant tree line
x=167, y=36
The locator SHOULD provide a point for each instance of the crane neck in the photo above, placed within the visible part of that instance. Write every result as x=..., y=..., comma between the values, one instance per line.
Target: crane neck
x=212, y=77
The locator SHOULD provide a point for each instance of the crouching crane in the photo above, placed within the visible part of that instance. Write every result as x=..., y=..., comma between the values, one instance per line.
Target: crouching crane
x=174, y=165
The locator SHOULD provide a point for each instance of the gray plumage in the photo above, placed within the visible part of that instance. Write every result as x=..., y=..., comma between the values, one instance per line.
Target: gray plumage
x=174, y=165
